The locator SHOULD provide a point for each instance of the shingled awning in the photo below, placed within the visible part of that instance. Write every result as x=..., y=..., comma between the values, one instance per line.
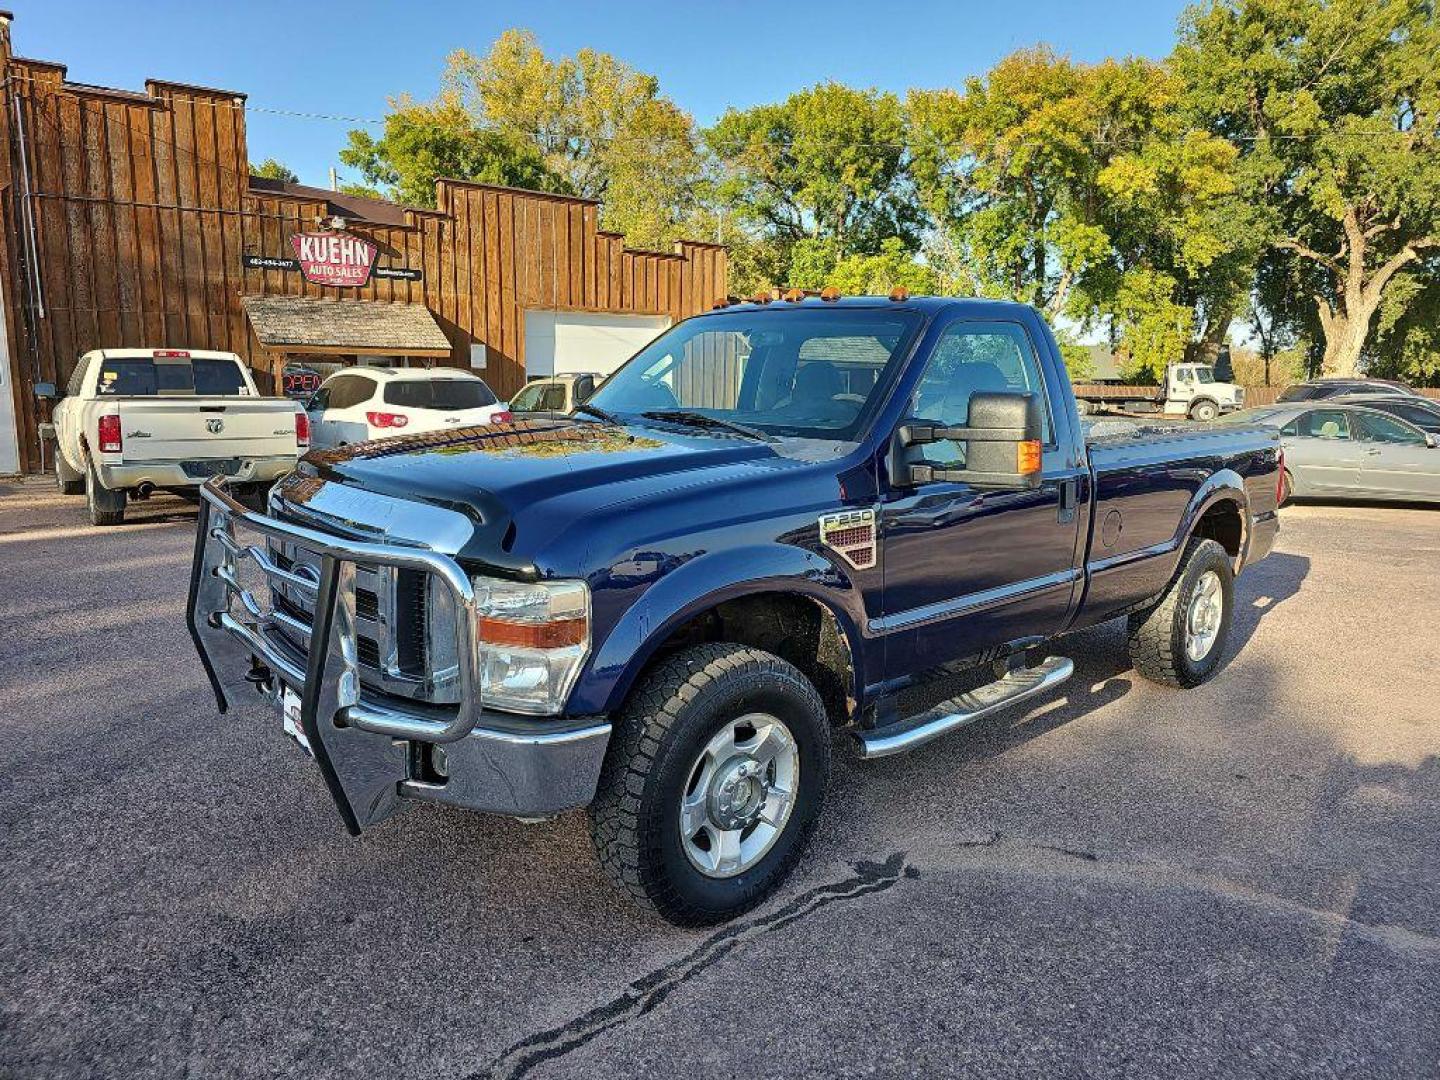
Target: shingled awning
x=302, y=324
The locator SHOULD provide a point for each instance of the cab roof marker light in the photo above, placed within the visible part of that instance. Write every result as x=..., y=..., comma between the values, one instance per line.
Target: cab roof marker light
x=830, y=294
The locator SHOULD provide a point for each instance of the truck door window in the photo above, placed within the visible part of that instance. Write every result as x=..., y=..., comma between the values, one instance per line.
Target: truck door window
x=974, y=358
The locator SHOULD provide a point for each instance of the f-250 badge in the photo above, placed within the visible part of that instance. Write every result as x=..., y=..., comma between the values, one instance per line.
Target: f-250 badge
x=851, y=533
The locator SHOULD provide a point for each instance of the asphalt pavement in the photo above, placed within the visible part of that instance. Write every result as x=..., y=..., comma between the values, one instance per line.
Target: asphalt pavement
x=1122, y=880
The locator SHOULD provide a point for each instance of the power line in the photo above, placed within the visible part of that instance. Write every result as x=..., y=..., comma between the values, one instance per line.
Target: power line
x=241, y=105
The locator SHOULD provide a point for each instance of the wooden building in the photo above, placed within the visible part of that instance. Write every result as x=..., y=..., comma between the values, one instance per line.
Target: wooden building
x=131, y=219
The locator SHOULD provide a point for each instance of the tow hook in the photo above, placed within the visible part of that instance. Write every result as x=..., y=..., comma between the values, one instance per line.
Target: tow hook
x=260, y=677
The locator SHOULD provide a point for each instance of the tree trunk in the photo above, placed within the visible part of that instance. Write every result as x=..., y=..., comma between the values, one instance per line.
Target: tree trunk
x=1344, y=341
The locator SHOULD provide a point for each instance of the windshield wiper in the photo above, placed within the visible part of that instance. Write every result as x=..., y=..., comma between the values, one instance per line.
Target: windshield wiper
x=599, y=413
x=699, y=419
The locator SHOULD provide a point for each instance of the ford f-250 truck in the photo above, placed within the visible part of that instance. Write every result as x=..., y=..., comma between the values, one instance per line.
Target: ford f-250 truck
x=767, y=527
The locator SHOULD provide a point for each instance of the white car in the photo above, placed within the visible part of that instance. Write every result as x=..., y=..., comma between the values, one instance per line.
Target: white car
x=363, y=403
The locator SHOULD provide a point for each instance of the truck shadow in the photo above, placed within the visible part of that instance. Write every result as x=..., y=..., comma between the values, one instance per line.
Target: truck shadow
x=1103, y=671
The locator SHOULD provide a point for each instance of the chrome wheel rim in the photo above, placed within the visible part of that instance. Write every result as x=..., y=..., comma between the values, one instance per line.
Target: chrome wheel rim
x=1203, y=616
x=738, y=795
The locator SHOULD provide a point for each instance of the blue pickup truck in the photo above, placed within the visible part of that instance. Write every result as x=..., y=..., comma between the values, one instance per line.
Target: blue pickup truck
x=765, y=529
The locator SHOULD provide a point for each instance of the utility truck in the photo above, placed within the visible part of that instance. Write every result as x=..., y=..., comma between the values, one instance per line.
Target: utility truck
x=1188, y=390
x=760, y=535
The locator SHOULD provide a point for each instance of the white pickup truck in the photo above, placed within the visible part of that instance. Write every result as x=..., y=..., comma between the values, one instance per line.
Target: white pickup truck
x=131, y=421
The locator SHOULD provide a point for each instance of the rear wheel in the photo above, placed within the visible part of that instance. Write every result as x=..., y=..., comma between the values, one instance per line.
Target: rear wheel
x=713, y=781
x=106, y=507
x=67, y=480
x=1204, y=412
x=1179, y=640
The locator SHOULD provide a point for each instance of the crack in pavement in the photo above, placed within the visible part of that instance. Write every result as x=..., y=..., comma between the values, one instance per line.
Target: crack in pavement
x=649, y=991
x=995, y=851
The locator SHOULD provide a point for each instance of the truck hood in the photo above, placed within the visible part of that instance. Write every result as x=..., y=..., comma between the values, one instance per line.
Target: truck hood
x=523, y=483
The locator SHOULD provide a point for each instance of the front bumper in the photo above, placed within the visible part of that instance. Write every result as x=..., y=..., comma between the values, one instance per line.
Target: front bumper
x=171, y=474
x=375, y=751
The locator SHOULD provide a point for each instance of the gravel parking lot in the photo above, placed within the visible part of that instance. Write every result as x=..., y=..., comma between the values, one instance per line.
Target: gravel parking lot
x=1122, y=880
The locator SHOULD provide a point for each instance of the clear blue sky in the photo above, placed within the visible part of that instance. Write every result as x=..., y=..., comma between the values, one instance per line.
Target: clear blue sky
x=346, y=59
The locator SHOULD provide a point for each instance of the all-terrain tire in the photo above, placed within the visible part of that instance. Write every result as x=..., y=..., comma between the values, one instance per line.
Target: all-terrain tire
x=67, y=480
x=668, y=720
x=1158, y=633
x=106, y=507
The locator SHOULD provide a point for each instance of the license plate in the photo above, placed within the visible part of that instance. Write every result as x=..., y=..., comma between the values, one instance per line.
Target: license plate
x=211, y=467
x=290, y=718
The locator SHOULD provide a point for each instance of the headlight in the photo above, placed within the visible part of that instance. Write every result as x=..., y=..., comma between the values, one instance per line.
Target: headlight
x=532, y=641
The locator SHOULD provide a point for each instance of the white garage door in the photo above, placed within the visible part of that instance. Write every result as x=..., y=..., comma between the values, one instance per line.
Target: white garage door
x=557, y=342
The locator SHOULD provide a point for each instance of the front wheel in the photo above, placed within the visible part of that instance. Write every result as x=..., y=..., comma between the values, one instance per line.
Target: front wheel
x=1179, y=640
x=1204, y=412
x=1287, y=488
x=713, y=781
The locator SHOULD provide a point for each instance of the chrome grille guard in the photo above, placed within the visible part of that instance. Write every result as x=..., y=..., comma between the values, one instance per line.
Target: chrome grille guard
x=334, y=664
x=360, y=743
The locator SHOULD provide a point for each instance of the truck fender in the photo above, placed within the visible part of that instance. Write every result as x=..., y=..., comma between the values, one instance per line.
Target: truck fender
x=699, y=585
x=1224, y=486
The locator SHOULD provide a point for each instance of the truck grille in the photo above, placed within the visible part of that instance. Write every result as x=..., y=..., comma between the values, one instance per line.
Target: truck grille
x=390, y=617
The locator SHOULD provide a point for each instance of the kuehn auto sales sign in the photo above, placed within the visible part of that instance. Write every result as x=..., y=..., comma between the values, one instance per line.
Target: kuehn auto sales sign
x=331, y=258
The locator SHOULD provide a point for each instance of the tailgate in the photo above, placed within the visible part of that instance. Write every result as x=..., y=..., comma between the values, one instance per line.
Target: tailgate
x=202, y=428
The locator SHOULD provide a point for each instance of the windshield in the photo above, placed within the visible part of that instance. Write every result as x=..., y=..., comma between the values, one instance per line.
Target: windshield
x=540, y=397
x=442, y=394
x=1301, y=392
x=811, y=373
x=1250, y=416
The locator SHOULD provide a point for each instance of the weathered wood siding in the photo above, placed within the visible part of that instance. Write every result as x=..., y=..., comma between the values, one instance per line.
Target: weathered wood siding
x=143, y=211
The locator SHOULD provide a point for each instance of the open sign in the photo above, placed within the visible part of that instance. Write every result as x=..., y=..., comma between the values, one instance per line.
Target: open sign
x=300, y=382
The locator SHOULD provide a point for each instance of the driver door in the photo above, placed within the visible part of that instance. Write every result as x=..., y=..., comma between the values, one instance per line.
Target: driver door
x=967, y=570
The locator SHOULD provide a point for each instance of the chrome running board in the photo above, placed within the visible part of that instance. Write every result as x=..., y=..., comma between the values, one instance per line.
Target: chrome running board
x=964, y=709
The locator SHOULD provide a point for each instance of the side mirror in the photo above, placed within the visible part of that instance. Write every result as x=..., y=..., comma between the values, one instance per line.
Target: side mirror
x=1432, y=440
x=1003, y=437
x=47, y=391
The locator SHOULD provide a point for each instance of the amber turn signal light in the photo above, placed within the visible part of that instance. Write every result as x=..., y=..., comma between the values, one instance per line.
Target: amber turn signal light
x=555, y=634
x=1027, y=457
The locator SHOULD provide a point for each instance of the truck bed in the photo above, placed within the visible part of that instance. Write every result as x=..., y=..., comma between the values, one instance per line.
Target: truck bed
x=1147, y=477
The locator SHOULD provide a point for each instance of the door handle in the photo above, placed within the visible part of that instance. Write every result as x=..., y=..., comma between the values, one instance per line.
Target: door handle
x=1069, y=499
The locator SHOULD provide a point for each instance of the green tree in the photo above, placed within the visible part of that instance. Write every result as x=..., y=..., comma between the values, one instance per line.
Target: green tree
x=1077, y=188
x=603, y=128
x=271, y=169
x=820, y=176
x=1334, y=106
x=425, y=141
